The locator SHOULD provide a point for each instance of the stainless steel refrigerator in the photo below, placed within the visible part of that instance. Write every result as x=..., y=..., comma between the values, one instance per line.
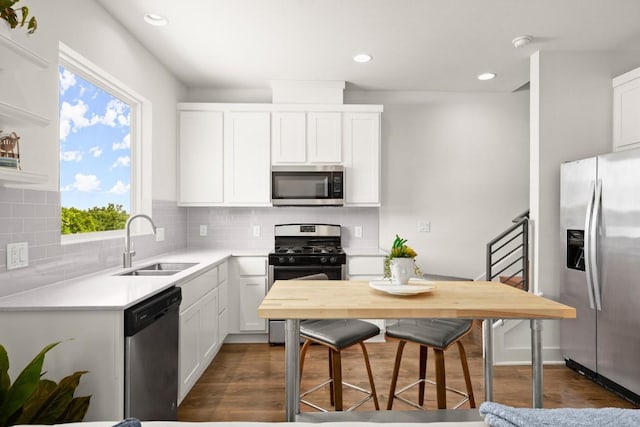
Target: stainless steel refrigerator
x=600, y=231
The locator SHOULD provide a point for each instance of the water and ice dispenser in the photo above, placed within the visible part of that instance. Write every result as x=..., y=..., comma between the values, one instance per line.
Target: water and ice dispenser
x=575, y=249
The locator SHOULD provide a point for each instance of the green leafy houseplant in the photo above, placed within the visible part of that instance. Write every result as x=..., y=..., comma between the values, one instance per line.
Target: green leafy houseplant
x=34, y=400
x=399, y=249
x=9, y=14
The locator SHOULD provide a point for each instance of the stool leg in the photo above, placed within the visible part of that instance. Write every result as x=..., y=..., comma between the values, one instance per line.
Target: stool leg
x=423, y=373
x=441, y=382
x=337, y=378
x=303, y=354
x=465, y=370
x=368, y=365
x=396, y=370
x=331, y=384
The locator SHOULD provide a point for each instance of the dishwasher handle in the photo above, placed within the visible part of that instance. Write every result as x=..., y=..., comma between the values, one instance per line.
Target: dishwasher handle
x=143, y=314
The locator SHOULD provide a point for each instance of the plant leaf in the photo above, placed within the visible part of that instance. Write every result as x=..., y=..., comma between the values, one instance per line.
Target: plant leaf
x=58, y=400
x=23, y=386
x=5, y=381
x=76, y=410
x=25, y=13
x=35, y=401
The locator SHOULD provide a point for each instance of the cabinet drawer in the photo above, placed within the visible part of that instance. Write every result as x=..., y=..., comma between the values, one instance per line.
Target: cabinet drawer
x=371, y=265
x=252, y=266
x=223, y=272
x=196, y=288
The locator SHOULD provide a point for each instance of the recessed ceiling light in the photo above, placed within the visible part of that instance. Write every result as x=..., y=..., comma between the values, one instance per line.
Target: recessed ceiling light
x=521, y=41
x=155, y=19
x=486, y=76
x=362, y=57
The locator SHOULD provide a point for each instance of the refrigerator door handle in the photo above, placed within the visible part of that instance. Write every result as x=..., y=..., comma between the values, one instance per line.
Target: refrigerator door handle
x=587, y=245
x=595, y=221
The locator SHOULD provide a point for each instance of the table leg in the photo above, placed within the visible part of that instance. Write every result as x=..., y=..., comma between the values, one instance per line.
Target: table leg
x=292, y=368
x=487, y=329
x=536, y=361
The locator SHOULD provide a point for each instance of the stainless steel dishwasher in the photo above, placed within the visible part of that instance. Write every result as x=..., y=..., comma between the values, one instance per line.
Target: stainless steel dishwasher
x=151, y=357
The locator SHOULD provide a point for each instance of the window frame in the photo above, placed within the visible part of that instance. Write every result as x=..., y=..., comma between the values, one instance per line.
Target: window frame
x=140, y=124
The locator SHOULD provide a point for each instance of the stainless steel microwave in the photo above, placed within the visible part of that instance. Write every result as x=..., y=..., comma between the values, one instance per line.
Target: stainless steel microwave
x=307, y=185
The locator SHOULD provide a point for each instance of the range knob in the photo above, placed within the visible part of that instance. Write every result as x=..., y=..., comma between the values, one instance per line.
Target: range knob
x=333, y=259
x=323, y=260
x=291, y=260
x=281, y=260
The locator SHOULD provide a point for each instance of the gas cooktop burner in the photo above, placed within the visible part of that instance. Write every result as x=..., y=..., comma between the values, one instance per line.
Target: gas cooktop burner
x=308, y=250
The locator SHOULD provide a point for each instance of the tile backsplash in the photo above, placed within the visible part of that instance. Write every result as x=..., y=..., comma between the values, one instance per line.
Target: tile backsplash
x=234, y=227
x=34, y=217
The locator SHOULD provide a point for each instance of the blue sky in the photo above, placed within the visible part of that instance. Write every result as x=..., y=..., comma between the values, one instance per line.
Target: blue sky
x=95, y=151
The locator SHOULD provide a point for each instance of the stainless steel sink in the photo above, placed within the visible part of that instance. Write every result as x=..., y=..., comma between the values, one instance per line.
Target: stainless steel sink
x=159, y=269
x=172, y=266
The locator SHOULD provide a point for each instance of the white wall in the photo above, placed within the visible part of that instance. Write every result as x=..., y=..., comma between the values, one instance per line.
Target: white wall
x=457, y=160
x=88, y=29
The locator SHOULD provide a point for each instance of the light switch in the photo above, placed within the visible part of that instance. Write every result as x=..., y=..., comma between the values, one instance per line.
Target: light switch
x=256, y=231
x=203, y=230
x=17, y=255
x=357, y=230
x=159, y=234
x=424, y=227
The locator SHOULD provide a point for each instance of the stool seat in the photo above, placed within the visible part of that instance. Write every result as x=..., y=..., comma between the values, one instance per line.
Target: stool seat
x=338, y=333
x=436, y=333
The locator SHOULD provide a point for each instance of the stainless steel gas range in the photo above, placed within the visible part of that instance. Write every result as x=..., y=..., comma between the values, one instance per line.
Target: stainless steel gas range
x=301, y=250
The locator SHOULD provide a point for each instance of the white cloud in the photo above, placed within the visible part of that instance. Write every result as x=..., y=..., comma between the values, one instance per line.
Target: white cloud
x=120, y=188
x=95, y=151
x=71, y=156
x=125, y=144
x=72, y=118
x=84, y=183
x=121, y=161
x=67, y=80
x=113, y=113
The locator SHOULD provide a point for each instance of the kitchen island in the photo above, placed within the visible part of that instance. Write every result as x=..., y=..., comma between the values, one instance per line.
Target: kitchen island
x=335, y=299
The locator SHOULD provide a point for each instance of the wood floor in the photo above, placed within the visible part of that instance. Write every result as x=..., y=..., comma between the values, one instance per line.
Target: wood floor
x=245, y=382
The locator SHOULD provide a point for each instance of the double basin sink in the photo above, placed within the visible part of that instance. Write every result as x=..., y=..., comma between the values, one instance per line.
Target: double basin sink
x=159, y=269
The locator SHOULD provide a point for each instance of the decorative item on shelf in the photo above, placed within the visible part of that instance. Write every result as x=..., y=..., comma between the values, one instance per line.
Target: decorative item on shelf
x=10, y=150
x=400, y=264
x=10, y=15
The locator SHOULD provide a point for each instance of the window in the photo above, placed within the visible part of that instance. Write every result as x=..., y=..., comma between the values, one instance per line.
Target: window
x=103, y=160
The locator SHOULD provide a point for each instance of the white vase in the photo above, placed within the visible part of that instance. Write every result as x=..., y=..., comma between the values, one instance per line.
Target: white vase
x=401, y=270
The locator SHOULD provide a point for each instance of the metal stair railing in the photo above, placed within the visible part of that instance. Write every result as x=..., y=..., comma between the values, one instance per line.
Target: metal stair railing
x=508, y=253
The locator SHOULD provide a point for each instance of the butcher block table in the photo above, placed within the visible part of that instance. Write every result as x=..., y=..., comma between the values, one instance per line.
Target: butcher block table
x=295, y=300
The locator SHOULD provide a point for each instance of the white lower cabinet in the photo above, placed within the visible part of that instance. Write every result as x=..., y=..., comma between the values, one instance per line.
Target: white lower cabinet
x=368, y=268
x=249, y=278
x=201, y=335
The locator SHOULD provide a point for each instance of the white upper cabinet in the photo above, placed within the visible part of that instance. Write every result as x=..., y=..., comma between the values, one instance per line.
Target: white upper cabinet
x=288, y=137
x=324, y=133
x=626, y=110
x=247, y=160
x=362, y=158
x=200, y=158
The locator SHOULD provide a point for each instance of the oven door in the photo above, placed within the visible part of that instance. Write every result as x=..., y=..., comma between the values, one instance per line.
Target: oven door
x=276, y=326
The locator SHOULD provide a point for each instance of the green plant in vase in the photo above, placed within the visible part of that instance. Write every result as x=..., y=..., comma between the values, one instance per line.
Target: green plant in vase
x=17, y=17
x=32, y=399
x=399, y=249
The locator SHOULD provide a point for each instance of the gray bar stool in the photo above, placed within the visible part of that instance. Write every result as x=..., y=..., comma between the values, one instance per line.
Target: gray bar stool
x=439, y=334
x=336, y=335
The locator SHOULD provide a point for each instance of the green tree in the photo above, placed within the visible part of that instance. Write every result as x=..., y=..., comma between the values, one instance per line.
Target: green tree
x=110, y=217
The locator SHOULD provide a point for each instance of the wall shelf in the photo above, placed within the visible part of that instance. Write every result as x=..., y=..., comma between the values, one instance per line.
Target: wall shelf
x=13, y=55
x=10, y=115
x=14, y=176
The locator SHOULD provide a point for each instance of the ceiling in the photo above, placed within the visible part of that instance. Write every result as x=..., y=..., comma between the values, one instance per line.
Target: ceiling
x=427, y=45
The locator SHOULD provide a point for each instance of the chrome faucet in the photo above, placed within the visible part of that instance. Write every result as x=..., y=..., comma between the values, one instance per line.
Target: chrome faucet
x=128, y=253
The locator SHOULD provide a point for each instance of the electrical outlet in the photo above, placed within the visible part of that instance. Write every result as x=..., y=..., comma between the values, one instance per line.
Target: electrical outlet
x=357, y=230
x=203, y=230
x=160, y=234
x=256, y=231
x=424, y=226
x=17, y=255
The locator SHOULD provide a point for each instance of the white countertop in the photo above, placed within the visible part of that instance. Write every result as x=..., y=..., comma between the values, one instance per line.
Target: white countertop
x=365, y=252
x=106, y=290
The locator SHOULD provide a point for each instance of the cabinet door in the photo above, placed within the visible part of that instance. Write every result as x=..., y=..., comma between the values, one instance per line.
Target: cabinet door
x=200, y=160
x=189, y=350
x=362, y=158
x=324, y=133
x=208, y=325
x=247, y=158
x=626, y=115
x=252, y=292
x=288, y=137
x=223, y=325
